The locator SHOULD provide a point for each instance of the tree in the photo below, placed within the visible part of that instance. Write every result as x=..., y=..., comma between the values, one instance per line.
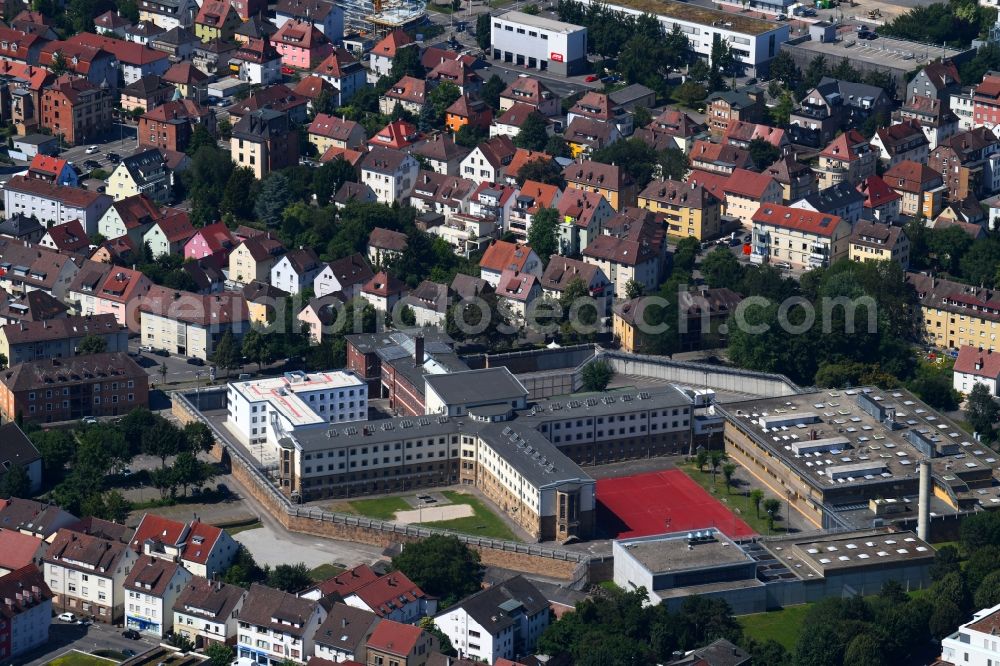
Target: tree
x=244, y=570
x=771, y=508
x=444, y=643
x=163, y=373
x=92, y=344
x=982, y=411
x=782, y=110
x=189, y=471
x=543, y=235
x=689, y=94
x=728, y=470
x=541, y=170
x=407, y=63
x=181, y=642
x=721, y=268
x=219, y=654
x=483, y=28
x=328, y=178
x=597, y=376
x=685, y=254
x=763, y=154
x=701, y=459
x=255, y=348
x=492, y=90
x=442, y=566
x=946, y=561
x=116, y=507
x=162, y=440
x=56, y=447
x=225, y=356
x=533, y=135
x=633, y=289
x=636, y=158
x=757, y=496
x=944, y=619
x=716, y=458
x=864, y=650
x=15, y=483
x=237, y=197
x=273, y=198
x=988, y=592
x=200, y=138
x=440, y=98
x=556, y=146
x=290, y=577
x=470, y=136
x=673, y=163
x=784, y=69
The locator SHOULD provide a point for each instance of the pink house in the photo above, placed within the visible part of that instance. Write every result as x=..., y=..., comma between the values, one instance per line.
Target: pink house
x=301, y=45
x=208, y=240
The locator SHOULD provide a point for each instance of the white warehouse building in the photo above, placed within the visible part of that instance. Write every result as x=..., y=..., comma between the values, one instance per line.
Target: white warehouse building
x=539, y=43
x=754, y=41
x=265, y=410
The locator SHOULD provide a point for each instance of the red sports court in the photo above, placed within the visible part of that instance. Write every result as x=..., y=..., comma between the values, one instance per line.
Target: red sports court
x=658, y=502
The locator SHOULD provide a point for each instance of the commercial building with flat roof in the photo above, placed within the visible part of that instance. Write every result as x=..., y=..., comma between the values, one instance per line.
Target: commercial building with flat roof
x=754, y=41
x=848, y=458
x=265, y=410
x=539, y=43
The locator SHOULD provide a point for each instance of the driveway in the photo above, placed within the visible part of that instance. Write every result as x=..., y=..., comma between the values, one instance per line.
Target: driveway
x=64, y=637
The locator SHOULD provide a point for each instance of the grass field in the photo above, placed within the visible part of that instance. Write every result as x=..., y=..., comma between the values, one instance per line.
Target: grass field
x=233, y=531
x=325, y=572
x=75, y=658
x=737, y=502
x=483, y=522
x=783, y=625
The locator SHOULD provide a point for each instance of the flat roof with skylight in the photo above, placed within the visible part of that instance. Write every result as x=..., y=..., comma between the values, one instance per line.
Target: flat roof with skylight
x=824, y=554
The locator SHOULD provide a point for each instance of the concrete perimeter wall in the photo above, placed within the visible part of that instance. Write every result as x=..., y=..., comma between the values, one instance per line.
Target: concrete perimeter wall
x=707, y=375
x=578, y=568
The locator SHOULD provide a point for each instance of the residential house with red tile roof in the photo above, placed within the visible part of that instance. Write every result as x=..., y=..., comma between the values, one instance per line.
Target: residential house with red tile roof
x=458, y=73
x=259, y=62
x=562, y=271
x=328, y=17
x=206, y=612
x=152, y=587
x=146, y=93
x=75, y=110
x=600, y=108
x=191, y=324
x=105, y=289
x=52, y=170
x=468, y=111
x=393, y=597
x=585, y=135
x=741, y=134
x=848, y=157
x=688, y=209
x=384, y=53
x=441, y=153
x=921, y=187
x=796, y=179
x=400, y=644
x=135, y=60
x=346, y=275
x=314, y=88
x=16, y=550
x=327, y=130
x=217, y=19
x=745, y=192
x=35, y=23
x=55, y=204
x=170, y=125
x=532, y=199
x=169, y=234
x=719, y=157
x=190, y=82
x=902, y=141
x=882, y=203
x=383, y=291
x=203, y=549
x=633, y=247
x=111, y=23
x=503, y=255
x=609, y=180
x=409, y=92
x=107, y=563
x=671, y=129
x=132, y=216
x=963, y=161
x=521, y=157
x=803, y=239
x=343, y=584
x=488, y=161
x=276, y=626
x=976, y=365
x=20, y=46
x=343, y=70
x=253, y=258
x=397, y=135
x=529, y=90
x=443, y=194
x=301, y=45
x=208, y=240
x=581, y=214
x=26, y=613
x=510, y=122
x=68, y=238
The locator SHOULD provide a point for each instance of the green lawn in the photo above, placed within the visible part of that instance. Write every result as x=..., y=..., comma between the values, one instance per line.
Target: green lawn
x=484, y=522
x=236, y=529
x=783, y=625
x=738, y=501
x=383, y=508
x=325, y=572
x=75, y=658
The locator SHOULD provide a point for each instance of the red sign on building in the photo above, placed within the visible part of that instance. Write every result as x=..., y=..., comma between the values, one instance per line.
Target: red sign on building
x=556, y=57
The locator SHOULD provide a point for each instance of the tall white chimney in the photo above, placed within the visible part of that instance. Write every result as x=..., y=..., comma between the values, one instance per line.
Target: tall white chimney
x=924, y=500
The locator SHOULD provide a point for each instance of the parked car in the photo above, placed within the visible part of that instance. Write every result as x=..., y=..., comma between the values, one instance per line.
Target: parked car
x=591, y=78
x=92, y=150
x=88, y=420
x=161, y=352
x=131, y=634
x=92, y=164
x=114, y=157
x=784, y=265
x=128, y=652
x=146, y=348
x=67, y=617
x=195, y=361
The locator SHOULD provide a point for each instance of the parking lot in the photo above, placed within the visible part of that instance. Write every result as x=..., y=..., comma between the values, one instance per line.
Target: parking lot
x=65, y=636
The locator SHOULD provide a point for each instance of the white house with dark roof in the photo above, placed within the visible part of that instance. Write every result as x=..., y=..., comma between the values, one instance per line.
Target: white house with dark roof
x=348, y=275
x=205, y=611
x=502, y=622
x=296, y=270
x=976, y=366
x=54, y=204
x=151, y=589
x=275, y=626
x=391, y=174
x=87, y=575
x=344, y=634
